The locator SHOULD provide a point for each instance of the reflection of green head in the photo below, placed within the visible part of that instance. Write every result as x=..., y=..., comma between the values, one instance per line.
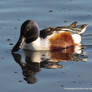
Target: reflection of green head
x=31, y=79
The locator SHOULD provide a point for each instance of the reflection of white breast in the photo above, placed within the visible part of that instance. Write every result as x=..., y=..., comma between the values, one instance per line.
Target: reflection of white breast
x=37, y=56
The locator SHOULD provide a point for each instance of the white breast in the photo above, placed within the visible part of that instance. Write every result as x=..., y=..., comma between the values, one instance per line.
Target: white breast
x=39, y=44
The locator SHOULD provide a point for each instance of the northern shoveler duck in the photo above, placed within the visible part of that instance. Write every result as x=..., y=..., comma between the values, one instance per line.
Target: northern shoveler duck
x=51, y=38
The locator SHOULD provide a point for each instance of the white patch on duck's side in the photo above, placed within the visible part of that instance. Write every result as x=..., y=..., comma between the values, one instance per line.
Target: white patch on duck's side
x=76, y=38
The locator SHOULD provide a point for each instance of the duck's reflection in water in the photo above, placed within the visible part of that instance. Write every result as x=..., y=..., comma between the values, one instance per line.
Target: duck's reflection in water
x=34, y=61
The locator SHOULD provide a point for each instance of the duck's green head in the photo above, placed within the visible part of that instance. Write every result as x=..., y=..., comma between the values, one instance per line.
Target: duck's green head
x=29, y=33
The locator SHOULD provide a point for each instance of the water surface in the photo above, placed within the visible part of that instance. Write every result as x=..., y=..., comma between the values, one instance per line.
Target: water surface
x=70, y=74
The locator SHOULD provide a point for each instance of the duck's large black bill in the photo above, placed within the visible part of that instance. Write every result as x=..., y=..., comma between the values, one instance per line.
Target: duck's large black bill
x=18, y=44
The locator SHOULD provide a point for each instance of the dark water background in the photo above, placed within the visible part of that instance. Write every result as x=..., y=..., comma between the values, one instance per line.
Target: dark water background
x=45, y=13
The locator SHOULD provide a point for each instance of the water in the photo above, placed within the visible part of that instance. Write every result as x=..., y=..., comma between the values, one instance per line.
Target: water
x=70, y=74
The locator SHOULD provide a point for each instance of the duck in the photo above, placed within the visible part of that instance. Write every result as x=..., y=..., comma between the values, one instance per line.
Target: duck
x=51, y=38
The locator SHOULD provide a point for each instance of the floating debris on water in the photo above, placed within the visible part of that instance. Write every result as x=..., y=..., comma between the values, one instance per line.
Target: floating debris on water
x=50, y=10
x=15, y=72
x=61, y=85
x=10, y=43
x=20, y=81
x=9, y=40
x=65, y=21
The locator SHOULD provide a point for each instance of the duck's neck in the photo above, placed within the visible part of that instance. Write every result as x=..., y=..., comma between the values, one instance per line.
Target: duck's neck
x=30, y=40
